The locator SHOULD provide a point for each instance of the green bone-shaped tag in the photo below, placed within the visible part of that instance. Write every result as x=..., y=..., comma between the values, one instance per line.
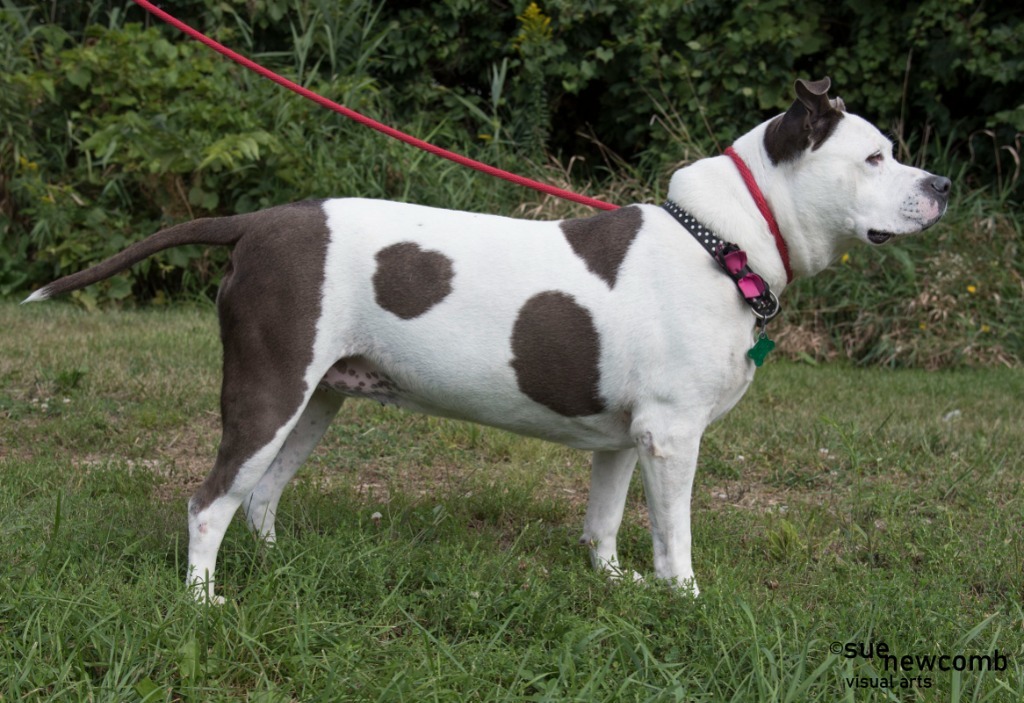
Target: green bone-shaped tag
x=762, y=347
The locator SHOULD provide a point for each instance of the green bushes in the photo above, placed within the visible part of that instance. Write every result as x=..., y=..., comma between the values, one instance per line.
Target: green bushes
x=923, y=68
x=114, y=125
x=129, y=131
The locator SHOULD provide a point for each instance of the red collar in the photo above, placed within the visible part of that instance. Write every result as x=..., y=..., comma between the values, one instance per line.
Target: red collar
x=766, y=211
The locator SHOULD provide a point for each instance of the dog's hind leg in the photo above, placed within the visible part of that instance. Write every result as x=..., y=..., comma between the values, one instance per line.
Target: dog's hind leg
x=253, y=435
x=261, y=505
x=234, y=476
x=269, y=304
x=268, y=384
x=610, y=473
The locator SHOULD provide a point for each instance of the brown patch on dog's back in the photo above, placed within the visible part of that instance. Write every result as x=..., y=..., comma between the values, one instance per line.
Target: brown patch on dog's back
x=603, y=240
x=556, y=354
x=409, y=281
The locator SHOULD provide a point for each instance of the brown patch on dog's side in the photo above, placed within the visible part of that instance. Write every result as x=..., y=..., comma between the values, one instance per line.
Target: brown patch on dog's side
x=602, y=241
x=556, y=354
x=409, y=280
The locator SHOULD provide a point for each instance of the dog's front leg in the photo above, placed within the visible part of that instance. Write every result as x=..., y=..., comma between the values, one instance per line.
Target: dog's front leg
x=668, y=462
x=610, y=473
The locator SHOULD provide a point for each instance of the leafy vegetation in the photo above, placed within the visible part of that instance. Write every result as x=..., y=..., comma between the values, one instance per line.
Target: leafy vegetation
x=425, y=559
x=115, y=126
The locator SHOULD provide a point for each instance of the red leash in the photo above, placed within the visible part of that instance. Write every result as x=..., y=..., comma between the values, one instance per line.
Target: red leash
x=748, y=177
x=762, y=205
x=363, y=120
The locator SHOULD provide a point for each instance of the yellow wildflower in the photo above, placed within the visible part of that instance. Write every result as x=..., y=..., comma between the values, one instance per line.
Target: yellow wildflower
x=534, y=27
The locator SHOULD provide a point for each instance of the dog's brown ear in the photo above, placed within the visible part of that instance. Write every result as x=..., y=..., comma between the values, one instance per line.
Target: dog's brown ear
x=807, y=123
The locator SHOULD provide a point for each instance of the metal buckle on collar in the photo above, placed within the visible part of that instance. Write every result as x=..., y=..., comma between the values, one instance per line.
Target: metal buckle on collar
x=765, y=317
x=754, y=289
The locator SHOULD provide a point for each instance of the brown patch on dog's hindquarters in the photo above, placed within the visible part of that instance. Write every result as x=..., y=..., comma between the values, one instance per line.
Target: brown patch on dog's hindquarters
x=268, y=326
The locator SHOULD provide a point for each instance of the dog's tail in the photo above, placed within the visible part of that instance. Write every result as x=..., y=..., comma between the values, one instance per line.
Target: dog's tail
x=218, y=231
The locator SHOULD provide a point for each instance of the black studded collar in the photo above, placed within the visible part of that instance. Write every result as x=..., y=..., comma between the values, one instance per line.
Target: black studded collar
x=733, y=262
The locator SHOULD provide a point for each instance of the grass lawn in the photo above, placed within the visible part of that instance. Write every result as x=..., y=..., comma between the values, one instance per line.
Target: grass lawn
x=836, y=509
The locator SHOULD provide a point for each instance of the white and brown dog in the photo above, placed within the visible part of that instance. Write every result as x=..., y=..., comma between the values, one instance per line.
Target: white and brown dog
x=616, y=333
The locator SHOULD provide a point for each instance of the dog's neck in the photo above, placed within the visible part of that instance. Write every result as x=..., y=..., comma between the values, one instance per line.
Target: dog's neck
x=733, y=213
x=698, y=189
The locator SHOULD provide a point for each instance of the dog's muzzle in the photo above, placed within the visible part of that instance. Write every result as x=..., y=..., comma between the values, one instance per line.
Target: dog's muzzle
x=936, y=189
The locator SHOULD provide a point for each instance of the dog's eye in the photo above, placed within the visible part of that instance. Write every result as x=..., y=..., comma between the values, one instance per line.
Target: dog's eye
x=876, y=158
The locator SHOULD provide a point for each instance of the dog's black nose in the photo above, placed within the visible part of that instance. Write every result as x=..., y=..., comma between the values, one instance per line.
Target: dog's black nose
x=940, y=184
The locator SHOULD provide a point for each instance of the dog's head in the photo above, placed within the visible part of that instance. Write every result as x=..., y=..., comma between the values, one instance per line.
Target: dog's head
x=841, y=173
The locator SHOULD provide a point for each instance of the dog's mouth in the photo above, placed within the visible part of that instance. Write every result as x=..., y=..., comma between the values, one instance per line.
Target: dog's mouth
x=878, y=236
x=927, y=216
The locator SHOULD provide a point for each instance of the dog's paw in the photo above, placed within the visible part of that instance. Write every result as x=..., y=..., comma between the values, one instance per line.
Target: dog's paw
x=686, y=587
x=624, y=575
x=616, y=574
x=202, y=596
x=202, y=592
x=267, y=539
x=262, y=527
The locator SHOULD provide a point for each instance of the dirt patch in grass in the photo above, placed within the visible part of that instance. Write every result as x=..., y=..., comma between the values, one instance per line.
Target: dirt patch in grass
x=180, y=461
x=185, y=457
